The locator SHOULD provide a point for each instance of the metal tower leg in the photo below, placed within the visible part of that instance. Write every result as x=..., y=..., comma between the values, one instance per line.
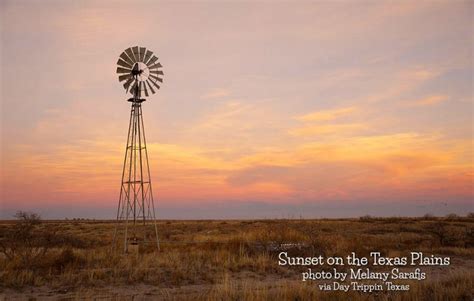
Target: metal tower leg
x=136, y=205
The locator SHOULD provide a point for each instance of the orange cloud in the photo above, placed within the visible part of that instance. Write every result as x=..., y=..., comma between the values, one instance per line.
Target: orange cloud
x=348, y=168
x=325, y=115
x=359, y=167
x=216, y=93
x=327, y=129
x=428, y=101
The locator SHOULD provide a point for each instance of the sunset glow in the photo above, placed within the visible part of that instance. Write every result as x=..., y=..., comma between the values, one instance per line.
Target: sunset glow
x=280, y=104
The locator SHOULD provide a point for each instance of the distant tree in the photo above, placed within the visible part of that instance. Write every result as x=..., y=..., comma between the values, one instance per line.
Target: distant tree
x=428, y=216
x=452, y=216
x=366, y=218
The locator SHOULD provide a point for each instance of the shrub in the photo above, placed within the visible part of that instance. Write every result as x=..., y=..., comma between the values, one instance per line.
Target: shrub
x=366, y=218
x=27, y=240
x=428, y=216
x=24, y=241
x=64, y=259
x=452, y=216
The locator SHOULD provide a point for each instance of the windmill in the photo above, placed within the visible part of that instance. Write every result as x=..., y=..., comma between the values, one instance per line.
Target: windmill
x=139, y=71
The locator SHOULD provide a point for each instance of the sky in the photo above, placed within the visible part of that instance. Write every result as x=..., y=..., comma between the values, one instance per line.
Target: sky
x=268, y=109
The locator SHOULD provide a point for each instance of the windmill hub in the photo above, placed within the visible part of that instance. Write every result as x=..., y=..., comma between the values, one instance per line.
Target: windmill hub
x=136, y=70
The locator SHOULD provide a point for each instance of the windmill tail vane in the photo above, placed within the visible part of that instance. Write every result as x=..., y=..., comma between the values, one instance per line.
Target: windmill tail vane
x=136, y=226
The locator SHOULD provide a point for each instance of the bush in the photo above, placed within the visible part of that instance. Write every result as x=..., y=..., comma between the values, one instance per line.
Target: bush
x=26, y=242
x=64, y=259
x=452, y=216
x=366, y=218
x=428, y=216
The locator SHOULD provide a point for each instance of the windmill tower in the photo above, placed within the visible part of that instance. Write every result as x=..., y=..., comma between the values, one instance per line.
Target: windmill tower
x=139, y=70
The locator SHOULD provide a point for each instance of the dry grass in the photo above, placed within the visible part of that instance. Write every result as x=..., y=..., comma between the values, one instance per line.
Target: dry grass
x=454, y=287
x=237, y=260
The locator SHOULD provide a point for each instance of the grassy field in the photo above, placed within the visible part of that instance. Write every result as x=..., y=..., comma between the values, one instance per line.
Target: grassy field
x=225, y=260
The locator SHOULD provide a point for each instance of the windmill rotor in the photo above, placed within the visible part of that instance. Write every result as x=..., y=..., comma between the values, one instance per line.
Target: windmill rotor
x=138, y=70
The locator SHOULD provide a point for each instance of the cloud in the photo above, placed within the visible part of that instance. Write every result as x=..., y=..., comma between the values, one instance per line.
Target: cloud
x=378, y=167
x=226, y=115
x=355, y=167
x=325, y=129
x=318, y=123
x=427, y=101
x=238, y=126
x=326, y=115
x=216, y=93
x=256, y=174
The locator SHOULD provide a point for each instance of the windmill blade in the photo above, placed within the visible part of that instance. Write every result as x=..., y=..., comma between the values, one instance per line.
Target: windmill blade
x=155, y=84
x=142, y=53
x=157, y=72
x=127, y=83
x=152, y=60
x=146, y=91
x=124, y=64
x=124, y=77
x=156, y=78
x=125, y=57
x=129, y=52
x=123, y=70
x=147, y=56
x=136, y=53
x=149, y=86
x=155, y=66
